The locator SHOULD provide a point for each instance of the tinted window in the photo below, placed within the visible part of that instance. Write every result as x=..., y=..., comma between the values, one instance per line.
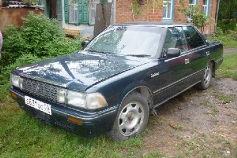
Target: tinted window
x=175, y=39
x=194, y=40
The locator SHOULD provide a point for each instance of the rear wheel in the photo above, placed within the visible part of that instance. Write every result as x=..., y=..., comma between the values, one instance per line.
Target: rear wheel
x=132, y=117
x=207, y=76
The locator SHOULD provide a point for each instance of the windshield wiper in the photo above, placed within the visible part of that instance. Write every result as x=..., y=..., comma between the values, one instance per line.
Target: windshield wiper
x=92, y=50
x=138, y=55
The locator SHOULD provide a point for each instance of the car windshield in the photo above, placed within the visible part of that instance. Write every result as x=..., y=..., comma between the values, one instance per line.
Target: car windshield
x=128, y=40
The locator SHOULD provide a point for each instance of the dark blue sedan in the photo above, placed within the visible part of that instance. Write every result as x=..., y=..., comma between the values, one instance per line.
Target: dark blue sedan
x=117, y=80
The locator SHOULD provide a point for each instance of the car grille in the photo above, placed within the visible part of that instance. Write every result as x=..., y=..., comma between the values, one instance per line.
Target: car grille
x=40, y=89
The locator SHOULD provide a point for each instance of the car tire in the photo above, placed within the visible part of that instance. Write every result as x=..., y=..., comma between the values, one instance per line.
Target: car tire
x=132, y=117
x=207, y=77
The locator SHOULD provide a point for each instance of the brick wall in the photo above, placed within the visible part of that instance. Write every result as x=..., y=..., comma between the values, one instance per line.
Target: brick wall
x=125, y=13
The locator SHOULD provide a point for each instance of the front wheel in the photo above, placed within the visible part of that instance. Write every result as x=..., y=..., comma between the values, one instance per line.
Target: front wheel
x=207, y=76
x=132, y=117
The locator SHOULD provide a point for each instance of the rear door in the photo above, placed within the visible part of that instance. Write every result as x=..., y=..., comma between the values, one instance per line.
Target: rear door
x=198, y=52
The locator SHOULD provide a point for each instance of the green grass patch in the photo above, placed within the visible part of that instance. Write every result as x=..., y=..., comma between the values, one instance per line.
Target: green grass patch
x=205, y=145
x=228, y=40
x=224, y=98
x=23, y=136
x=228, y=69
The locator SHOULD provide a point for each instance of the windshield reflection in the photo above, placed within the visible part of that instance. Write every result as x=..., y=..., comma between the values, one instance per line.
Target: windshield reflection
x=127, y=40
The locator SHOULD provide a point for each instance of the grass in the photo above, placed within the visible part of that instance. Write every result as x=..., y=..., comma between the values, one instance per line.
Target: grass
x=204, y=145
x=228, y=40
x=23, y=136
x=224, y=98
x=228, y=69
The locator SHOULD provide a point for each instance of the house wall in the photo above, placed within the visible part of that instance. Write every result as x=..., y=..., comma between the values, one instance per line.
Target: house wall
x=125, y=13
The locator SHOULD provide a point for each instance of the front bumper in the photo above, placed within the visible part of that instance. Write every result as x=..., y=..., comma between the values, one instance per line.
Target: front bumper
x=92, y=123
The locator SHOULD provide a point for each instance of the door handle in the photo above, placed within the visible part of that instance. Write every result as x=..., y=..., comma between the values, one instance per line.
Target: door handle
x=186, y=61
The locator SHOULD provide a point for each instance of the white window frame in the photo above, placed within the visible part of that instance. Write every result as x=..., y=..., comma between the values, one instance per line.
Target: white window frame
x=58, y=11
x=194, y=2
x=205, y=7
x=73, y=11
x=166, y=7
x=92, y=11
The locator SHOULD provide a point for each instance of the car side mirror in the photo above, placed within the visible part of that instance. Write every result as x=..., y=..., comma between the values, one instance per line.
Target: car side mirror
x=173, y=52
x=207, y=42
x=84, y=43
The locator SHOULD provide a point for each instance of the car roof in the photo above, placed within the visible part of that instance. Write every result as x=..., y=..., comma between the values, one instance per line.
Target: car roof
x=160, y=24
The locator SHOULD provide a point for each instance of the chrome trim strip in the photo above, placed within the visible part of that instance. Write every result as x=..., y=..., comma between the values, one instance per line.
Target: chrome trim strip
x=219, y=60
x=156, y=91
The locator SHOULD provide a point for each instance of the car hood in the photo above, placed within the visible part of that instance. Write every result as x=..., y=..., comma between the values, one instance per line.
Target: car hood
x=80, y=70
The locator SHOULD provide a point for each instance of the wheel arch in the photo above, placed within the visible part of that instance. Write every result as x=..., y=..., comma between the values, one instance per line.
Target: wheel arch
x=142, y=89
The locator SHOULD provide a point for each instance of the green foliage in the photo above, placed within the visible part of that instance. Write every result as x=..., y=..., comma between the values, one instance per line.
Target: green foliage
x=136, y=7
x=227, y=10
x=228, y=67
x=229, y=40
x=219, y=32
x=226, y=25
x=227, y=18
x=195, y=16
x=37, y=39
x=23, y=136
x=39, y=36
x=22, y=60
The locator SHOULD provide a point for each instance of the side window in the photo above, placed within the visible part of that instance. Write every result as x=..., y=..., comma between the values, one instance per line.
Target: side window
x=193, y=38
x=175, y=39
x=73, y=11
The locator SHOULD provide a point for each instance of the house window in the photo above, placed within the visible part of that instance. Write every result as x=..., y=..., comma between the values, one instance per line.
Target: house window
x=59, y=10
x=167, y=9
x=92, y=9
x=73, y=11
x=205, y=7
x=80, y=11
x=192, y=2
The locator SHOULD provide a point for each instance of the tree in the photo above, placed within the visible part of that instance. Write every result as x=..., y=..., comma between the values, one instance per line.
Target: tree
x=195, y=16
x=227, y=17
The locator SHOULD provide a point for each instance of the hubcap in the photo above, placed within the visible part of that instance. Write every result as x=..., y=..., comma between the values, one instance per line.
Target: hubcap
x=130, y=118
x=207, y=75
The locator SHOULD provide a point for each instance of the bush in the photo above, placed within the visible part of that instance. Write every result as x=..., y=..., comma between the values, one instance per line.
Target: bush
x=39, y=36
x=5, y=75
x=37, y=39
x=227, y=25
x=219, y=32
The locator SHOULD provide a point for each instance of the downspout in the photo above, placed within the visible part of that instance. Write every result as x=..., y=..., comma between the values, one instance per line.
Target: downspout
x=114, y=12
x=63, y=15
x=217, y=12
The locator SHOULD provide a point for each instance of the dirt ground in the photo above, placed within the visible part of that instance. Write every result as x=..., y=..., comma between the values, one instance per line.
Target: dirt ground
x=196, y=123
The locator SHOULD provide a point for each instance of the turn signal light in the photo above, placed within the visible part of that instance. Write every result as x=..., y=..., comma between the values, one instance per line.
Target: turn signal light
x=75, y=120
x=13, y=95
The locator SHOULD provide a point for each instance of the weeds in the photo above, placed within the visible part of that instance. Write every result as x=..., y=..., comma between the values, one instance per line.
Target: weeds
x=224, y=98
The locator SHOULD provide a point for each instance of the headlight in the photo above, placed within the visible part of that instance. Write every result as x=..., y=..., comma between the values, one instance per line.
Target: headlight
x=95, y=101
x=82, y=100
x=16, y=81
x=76, y=99
x=61, y=95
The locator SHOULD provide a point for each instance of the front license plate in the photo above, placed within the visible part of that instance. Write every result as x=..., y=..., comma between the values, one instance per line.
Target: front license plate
x=39, y=105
